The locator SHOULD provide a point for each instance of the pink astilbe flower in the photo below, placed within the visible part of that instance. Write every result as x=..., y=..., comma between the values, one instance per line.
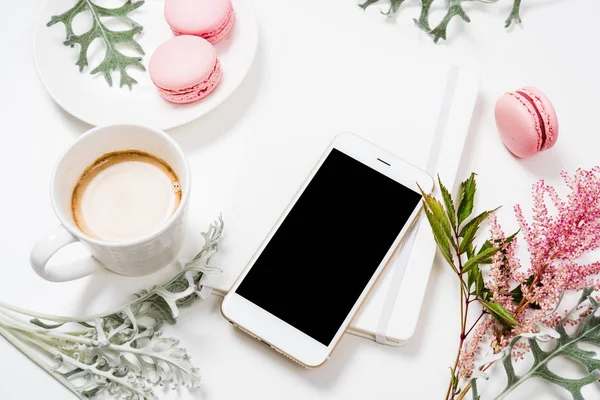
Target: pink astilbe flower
x=505, y=266
x=466, y=361
x=555, y=242
x=559, y=233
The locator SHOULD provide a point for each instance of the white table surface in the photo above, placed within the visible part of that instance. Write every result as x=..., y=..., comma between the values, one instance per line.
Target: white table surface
x=555, y=49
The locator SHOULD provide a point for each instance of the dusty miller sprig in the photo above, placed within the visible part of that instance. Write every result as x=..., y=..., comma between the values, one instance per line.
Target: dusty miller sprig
x=454, y=9
x=122, y=352
x=562, y=345
x=114, y=60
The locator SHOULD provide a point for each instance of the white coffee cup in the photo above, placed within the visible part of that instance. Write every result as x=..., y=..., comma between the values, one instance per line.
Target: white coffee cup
x=133, y=258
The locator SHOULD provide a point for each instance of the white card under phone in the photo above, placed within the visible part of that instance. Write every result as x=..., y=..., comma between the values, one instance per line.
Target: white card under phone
x=458, y=103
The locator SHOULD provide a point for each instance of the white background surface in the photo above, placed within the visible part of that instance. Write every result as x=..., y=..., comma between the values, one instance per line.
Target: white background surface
x=293, y=86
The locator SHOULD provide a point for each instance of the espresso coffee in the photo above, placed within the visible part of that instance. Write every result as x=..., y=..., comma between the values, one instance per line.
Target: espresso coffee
x=125, y=195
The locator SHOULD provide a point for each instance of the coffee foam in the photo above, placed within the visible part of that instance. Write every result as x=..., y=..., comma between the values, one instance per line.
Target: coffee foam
x=125, y=195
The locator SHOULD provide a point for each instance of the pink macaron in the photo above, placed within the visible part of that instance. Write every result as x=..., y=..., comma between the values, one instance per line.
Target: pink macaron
x=185, y=69
x=526, y=121
x=209, y=19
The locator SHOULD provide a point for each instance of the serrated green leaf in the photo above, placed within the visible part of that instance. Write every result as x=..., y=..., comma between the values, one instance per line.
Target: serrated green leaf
x=439, y=214
x=500, y=313
x=471, y=250
x=450, y=210
x=512, y=237
x=475, y=277
x=439, y=237
x=566, y=346
x=113, y=60
x=480, y=288
x=479, y=259
x=517, y=293
x=471, y=277
x=486, y=245
x=468, y=232
x=453, y=379
x=467, y=195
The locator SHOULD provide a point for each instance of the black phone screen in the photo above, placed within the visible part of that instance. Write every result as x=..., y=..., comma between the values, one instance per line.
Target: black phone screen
x=317, y=264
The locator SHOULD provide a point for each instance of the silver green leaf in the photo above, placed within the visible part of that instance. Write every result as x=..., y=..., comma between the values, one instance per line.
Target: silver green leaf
x=114, y=60
x=121, y=352
x=454, y=8
x=515, y=15
x=566, y=346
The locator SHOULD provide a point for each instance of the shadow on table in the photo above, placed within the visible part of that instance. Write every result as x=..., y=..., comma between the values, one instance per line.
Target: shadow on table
x=104, y=291
x=78, y=125
x=220, y=121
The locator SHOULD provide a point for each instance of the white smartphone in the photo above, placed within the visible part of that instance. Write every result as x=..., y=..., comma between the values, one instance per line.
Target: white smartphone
x=309, y=277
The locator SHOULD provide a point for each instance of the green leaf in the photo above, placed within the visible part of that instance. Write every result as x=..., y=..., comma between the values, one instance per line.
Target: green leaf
x=475, y=277
x=480, y=258
x=450, y=210
x=439, y=214
x=469, y=231
x=566, y=346
x=517, y=293
x=480, y=289
x=367, y=4
x=500, y=313
x=471, y=277
x=512, y=237
x=514, y=14
x=113, y=60
x=423, y=21
x=440, y=237
x=394, y=6
x=474, y=390
x=485, y=246
x=453, y=379
x=471, y=250
x=467, y=195
x=454, y=9
x=37, y=322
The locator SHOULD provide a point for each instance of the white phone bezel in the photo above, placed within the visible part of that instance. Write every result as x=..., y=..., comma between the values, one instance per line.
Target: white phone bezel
x=282, y=336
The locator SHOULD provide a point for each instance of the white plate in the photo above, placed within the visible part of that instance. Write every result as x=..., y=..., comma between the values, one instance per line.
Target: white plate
x=89, y=98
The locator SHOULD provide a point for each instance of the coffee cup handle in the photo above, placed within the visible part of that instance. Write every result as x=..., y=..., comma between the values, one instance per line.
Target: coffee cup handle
x=48, y=246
